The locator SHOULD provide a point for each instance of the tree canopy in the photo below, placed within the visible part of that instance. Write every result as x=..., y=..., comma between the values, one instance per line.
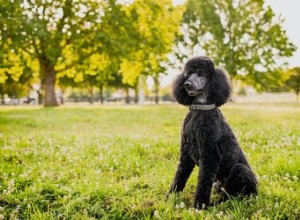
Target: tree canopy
x=293, y=82
x=112, y=43
x=98, y=38
x=49, y=31
x=245, y=37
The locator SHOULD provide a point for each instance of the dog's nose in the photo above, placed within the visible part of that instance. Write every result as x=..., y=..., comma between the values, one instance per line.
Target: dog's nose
x=188, y=85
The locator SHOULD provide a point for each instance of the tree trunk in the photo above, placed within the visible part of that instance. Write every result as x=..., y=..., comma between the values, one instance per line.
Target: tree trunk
x=50, y=99
x=40, y=97
x=136, y=94
x=2, y=99
x=101, y=94
x=91, y=91
x=48, y=71
x=62, y=100
x=156, y=89
x=127, y=99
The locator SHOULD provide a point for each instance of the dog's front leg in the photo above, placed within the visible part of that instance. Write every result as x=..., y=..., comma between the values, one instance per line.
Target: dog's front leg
x=185, y=168
x=207, y=172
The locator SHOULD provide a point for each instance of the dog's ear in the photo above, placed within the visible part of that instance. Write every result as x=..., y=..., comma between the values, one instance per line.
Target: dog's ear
x=210, y=64
x=179, y=92
x=219, y=87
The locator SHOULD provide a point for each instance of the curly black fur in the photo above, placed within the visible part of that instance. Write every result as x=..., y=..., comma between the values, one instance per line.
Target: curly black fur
x=207, y=140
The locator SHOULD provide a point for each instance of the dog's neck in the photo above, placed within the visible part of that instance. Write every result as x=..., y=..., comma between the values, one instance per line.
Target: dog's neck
x=200, y=103
x=200, y=99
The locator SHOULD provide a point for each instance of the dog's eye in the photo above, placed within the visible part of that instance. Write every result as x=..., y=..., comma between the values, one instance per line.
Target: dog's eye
x=187, y=73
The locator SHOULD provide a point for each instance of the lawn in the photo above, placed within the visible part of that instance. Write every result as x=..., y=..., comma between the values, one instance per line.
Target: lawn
x=117, y=162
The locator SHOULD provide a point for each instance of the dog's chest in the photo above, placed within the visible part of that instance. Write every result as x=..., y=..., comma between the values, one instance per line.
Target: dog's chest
x=194, y=136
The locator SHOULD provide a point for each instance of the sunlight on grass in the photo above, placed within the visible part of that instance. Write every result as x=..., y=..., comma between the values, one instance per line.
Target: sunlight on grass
x=117, y=162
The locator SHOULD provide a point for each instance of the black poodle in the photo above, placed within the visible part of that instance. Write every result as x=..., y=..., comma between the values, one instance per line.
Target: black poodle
x=206, y=138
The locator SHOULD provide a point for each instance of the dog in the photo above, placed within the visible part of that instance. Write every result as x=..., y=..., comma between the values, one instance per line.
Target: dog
x=206, y=138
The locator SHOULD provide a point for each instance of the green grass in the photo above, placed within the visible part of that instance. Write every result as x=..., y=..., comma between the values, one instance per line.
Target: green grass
x=118, y=163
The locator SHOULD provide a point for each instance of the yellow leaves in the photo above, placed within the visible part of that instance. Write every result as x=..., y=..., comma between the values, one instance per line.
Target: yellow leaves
x=98, y=62
x=34, y=65
x=294, y=71
x=16, y=71
x=12, y=66
x=130, y=71
x=92, y=65
x=78, y=78
x=68, y=57
x=3, y=76
x=154, y=61
x=159, y=20
x=72, y=73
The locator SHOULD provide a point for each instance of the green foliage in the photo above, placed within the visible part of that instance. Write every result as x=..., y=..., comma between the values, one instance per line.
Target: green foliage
x=111, y=43
x=11, y=68
x=114, y=38
x=16, y=73
x=243, y=36
x=53, y=32
x=157, y=23
x=293, y=82
x=118, y=163
x=272, y=81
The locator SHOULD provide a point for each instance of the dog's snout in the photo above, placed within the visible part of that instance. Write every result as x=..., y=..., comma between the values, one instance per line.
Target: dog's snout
x=188, y=85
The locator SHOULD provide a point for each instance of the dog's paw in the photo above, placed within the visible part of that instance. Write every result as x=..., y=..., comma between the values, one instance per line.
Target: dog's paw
x=201, y=206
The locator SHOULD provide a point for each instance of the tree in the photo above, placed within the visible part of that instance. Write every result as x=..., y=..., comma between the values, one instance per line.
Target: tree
x=43, y=29
x=294, y=81
x=115, y=36
x=11, y=67
x=95, y=70
x=118, y=36
x=244, y=36
x=157, y=23
x=16, y=73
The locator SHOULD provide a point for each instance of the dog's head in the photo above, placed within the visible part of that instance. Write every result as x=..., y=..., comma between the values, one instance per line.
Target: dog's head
x=201, y=78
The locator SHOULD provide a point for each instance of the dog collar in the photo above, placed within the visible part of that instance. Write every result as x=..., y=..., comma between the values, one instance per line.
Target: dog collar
x=202, y=107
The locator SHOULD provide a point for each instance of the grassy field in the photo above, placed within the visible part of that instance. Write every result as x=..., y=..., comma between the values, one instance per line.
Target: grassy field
x=118, y=162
